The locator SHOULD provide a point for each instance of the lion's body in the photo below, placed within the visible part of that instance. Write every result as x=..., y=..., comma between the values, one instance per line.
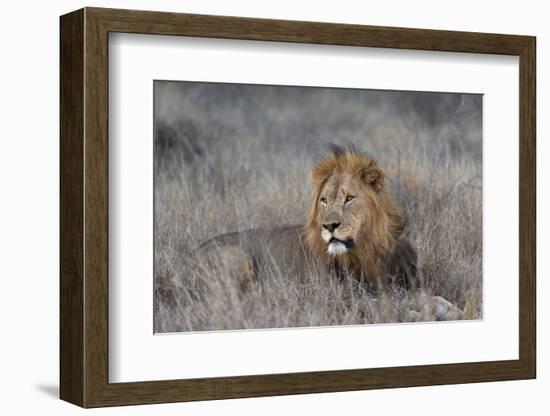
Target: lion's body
x=285, y=249
x=281, y=247
x=359, y=235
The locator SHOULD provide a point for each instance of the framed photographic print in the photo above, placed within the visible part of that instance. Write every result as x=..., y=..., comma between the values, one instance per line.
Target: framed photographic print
x=255, y=207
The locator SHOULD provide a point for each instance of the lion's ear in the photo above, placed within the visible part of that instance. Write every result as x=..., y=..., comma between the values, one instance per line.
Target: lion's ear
x=374, y=176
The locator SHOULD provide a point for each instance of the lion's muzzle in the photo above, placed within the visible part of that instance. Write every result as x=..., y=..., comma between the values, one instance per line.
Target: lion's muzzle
x=336, y=244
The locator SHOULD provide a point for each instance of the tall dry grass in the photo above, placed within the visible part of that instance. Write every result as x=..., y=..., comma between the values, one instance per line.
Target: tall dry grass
x=234, y=157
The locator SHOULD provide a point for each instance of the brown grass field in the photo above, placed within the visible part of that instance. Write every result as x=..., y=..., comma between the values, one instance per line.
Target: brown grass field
x=231, y=157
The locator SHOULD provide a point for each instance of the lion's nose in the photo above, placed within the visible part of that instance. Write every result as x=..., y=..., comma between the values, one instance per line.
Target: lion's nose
x=332, y=226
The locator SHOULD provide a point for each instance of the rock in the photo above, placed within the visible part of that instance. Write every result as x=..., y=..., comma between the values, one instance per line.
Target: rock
x=424, y=308
x=445, y=310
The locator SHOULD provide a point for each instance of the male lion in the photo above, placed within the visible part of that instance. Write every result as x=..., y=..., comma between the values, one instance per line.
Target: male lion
x=354, y=225
x=353, y=228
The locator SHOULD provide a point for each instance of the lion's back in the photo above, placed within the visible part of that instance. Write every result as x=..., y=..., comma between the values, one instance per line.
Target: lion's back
x=280, y=247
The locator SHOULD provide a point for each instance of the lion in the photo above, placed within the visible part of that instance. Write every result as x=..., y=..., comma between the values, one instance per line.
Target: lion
x=354, y=228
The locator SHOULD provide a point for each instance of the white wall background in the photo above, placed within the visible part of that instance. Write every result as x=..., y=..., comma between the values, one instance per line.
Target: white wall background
x=29, y=160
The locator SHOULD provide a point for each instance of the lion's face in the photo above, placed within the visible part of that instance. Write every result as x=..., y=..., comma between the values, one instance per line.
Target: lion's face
x=352, y=218
x=346, y=202
x=343, y=207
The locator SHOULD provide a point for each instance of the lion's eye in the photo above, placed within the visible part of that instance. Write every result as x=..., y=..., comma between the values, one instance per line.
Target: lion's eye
x=323, y=201
x=349, y=198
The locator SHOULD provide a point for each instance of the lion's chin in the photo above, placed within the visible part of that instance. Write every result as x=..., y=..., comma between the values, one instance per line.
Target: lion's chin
x=337, y=248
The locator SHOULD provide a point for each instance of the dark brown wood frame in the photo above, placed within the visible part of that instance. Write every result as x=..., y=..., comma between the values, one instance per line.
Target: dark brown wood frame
x=84, y=207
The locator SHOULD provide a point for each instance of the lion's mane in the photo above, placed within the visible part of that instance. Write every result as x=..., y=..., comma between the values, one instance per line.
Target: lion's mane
x=381, y=226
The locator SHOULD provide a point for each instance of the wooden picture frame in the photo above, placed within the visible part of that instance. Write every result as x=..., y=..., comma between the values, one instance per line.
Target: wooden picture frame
x=84, y=207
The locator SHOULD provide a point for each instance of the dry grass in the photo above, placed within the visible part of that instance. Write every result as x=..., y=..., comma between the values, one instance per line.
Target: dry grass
x=230, y=157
